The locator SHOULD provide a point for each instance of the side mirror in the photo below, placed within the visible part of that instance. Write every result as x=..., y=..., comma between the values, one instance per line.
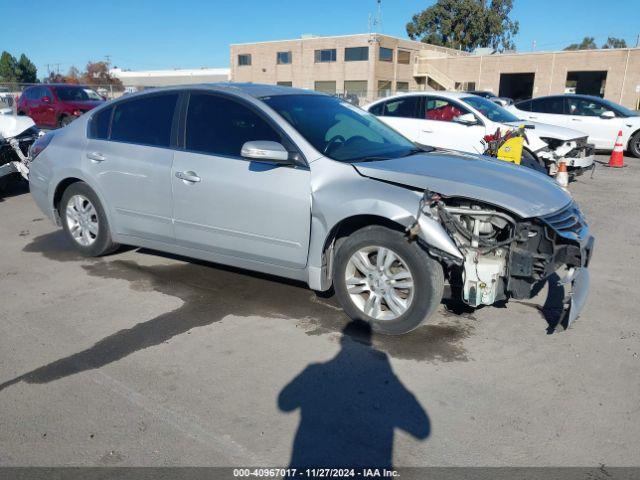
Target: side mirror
x=266, y=151
x=608, y=115
x=46, y=99
x=467, y=119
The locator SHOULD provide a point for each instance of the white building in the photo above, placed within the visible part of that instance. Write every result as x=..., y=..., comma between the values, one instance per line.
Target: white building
x=141, y=79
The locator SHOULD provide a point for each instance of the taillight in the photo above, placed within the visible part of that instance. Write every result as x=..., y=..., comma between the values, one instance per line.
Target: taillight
x=40, y=144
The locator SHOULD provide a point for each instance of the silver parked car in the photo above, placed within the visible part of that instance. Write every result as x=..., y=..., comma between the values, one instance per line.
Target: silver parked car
x=306, y=186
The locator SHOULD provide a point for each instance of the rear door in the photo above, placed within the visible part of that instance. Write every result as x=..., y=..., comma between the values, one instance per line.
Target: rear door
x=48, y=108
x=403, y=114
x=547, y=110
x=129, y=157
x=234, y=207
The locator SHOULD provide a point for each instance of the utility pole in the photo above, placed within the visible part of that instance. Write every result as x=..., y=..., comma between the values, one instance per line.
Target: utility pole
x=638, y=41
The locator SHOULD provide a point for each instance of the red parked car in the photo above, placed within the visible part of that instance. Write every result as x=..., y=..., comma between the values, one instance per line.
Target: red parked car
x=57, y=105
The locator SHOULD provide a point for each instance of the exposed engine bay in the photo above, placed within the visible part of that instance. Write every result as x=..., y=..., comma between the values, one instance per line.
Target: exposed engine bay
x=17, y=134
x=504, y=256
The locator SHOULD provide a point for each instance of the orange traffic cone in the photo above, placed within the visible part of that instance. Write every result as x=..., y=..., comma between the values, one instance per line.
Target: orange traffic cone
x=562, y=177
x=617, y=157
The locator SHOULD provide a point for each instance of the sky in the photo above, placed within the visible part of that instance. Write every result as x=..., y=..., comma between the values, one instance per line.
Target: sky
x=158, y=34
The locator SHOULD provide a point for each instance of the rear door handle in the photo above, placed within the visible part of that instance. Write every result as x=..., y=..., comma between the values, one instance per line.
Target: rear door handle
x=532, y=117
x=576, y=120
x=96, y=156
x=427, y=130
x=191, y=177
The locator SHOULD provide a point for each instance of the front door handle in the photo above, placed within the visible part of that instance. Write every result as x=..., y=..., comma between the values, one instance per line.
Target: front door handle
x=96, y=156
x=576, y=120
x=532, y=117
x=427, y=130
x=190, y=177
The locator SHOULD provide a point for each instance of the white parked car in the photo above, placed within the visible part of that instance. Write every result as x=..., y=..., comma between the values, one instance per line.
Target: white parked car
x=601, y=119
x=460, y=121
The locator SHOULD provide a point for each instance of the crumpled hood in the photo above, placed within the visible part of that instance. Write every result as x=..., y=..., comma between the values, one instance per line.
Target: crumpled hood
x=12, y=125
x=551, y=131
x=520, y=190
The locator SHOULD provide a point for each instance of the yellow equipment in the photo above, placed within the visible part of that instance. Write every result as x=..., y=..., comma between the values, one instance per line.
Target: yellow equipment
x=511, y=150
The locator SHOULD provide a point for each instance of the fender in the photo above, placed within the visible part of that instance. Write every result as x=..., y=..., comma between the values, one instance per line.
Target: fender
x=339, y=193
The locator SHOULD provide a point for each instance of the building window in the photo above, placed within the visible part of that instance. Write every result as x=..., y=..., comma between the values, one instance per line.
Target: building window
x=386, y=54
x=244, y=59
x=402, y=86
x=325, y=56
x=285, y=84
x=356, y=87
x=404, y=56
x=325, y=86
x=283, y=58
x=384, y=88
x=356, y=54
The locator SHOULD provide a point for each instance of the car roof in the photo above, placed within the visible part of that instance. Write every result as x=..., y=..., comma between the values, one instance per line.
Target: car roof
x=256, y=90
x=566, y=95
x=429, y=93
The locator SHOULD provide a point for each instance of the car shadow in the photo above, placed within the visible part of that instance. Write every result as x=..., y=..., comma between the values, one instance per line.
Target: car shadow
x=350, y=407
x=209, y=294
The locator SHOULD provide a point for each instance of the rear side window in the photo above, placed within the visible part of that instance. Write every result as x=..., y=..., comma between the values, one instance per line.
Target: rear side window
x=219, y=126
x=100, y=124
x=145, y=120
x=377, y=109
x=405, y=107
x=553, y=105
x=525, y=106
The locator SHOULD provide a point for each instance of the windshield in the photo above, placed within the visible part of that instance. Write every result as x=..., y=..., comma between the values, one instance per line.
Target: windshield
x=77, y=94
x=491, y=110
x=339, y=130
x=618, y=108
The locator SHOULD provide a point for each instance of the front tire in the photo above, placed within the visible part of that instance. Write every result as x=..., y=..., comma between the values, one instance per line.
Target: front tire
x=84, y=221
x=634, y=145
x=382, y=278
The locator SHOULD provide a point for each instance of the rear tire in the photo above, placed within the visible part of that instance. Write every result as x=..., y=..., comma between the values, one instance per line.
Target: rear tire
x=529, y=161
x=634, y=145
x=399, y=310
x=84, y=221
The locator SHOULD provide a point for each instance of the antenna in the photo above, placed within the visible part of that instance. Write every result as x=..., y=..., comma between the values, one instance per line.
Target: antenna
x=375, y=23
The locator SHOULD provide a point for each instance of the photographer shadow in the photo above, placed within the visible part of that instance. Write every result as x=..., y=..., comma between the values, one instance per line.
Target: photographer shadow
x=350, y=407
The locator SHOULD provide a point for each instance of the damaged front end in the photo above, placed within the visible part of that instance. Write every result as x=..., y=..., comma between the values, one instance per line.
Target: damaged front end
x=16, y=137
x=503, y=256
x=577, y=154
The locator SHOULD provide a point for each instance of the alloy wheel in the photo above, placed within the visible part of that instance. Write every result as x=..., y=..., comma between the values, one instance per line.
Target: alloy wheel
x=379, y=282
x=82, y=220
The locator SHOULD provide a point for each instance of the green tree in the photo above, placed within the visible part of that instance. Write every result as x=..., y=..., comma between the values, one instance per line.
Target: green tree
x=613, y=42
x=587, y=43
x=466, y=24
x=8, y=65
x=26, y=71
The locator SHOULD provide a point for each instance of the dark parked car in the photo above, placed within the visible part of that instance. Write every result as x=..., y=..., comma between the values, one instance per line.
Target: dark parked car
x=56, y=105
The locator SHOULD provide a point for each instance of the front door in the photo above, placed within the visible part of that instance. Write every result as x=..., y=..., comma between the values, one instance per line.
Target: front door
x=227, y=205
x=439, y=128
x=132, y=164
x=584, y=115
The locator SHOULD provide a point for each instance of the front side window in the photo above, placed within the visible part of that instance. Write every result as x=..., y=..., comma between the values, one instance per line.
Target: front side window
x=404, y=107
x=220, y=126
x=443, y=110
x=356, y=54
x=325, y=56
x=244, y=59
x=145, y=120
x=283, y=58
x=585, y=107
x=404, y=56
x=489, y=109
x=100, y=124
x=338, y=129
x=386, y=54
